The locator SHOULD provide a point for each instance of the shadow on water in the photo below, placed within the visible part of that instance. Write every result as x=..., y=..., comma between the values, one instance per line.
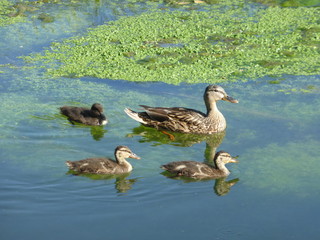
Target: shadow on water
x=122, y=184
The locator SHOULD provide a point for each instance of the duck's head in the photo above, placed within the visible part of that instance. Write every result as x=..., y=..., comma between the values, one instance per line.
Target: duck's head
x=123, y=152
x=214, y=93
x=223, y=157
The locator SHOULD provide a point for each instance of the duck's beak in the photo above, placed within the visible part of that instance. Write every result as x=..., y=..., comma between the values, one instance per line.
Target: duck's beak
x=133, y=155
x=230, y=99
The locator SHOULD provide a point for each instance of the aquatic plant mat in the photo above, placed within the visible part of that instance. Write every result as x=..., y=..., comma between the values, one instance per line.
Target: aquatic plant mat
x=222, y=42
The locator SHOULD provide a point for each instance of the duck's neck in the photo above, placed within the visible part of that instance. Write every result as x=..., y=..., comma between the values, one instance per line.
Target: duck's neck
x=215, y=116
x=122, y=161
x=221, y=166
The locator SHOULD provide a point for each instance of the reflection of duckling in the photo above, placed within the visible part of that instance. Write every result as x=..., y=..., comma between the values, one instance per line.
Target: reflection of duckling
x=105, y=165
x=187, y=120
x=93, y=116
x=97, y=132
x=123, y=185
x=222, y=187
x=199, y=170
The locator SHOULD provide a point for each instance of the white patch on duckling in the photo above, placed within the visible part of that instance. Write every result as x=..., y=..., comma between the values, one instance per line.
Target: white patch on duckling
x=104, y=167
x=104, y=122
x=180, y=167
x=83, y=165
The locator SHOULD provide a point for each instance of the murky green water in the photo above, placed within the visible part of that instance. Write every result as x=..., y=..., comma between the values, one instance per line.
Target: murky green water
x=272, y=193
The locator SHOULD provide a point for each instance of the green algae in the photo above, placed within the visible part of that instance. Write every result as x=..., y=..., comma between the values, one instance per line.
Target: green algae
x=307, y=89
x=8, y=14
x=283, y=169
x=193, y=47
x=289, y=3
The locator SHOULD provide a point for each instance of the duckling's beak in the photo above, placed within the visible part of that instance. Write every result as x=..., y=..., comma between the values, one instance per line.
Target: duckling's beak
x=233, y=160
x=133, y=155
x=230, y=99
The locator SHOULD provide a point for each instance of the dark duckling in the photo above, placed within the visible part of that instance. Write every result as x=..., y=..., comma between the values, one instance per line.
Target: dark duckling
x=105, y=165
x=200, y=170
x=93, y=116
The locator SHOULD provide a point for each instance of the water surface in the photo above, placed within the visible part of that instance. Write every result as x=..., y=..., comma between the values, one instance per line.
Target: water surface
x=274, y=130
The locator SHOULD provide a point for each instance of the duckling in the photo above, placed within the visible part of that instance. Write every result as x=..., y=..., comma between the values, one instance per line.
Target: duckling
x=186, y=120
x=93, y=116
x=199, y=170
x=105, y=165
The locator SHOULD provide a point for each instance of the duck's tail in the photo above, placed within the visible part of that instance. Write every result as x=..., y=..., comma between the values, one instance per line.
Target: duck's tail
x=134, y=115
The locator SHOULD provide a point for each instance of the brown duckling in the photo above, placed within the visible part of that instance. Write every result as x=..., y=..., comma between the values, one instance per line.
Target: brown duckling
x=105, y=165
x=200, y=170
x=186, y=120
x=93, y=116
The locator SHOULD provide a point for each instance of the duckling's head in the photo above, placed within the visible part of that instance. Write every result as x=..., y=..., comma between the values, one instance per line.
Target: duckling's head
x=97, y=111
x=123, y=152
x=222, y=158
x=97, y=107
x=214, y=93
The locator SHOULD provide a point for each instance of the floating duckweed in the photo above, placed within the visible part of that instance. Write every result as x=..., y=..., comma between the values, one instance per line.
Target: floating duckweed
x=194, y=47
x=308, y=89
x=10, y=14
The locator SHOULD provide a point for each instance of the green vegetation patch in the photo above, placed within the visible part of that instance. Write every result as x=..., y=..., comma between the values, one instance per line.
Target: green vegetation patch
x=10, y=14
x=193, y=47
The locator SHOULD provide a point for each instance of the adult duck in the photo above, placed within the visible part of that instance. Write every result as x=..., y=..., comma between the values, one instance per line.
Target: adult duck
x=105, y=165
x=186, y=120
x=93, y=116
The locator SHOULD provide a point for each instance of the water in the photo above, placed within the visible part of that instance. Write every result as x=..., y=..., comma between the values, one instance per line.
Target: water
x=275, y=187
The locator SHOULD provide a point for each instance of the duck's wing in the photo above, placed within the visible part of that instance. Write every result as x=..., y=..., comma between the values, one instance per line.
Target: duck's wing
x=180, y=114
x=93, y=165
x=182, y=168
x=73, y=113
x=190, y=169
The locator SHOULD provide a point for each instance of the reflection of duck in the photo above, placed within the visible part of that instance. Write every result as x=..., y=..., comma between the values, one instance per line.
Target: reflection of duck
x=187, y=120
x=180, y=139
x=105, y=165
x=222, y=187
x=200, y=170
x=93, y=116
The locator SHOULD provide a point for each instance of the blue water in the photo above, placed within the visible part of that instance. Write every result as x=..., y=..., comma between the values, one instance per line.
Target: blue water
x=276, y=135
